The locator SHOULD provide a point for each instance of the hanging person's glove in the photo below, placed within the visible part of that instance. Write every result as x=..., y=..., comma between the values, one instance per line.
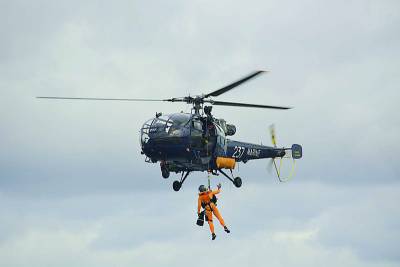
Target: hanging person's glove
x=219, y=186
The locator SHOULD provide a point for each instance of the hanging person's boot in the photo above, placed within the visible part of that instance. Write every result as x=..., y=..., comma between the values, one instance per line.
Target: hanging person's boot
x=213, y=236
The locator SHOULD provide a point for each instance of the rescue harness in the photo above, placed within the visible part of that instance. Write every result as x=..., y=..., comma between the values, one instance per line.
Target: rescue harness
x=204, y=205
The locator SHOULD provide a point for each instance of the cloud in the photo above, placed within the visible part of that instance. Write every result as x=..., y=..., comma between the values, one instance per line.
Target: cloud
x=364, y=225
x=303, y=224
x=75, y=191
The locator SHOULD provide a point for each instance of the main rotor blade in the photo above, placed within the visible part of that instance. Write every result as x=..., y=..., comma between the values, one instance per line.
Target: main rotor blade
x=96, y=98
x=233, y=85
x=179, y=99
x=235, y=104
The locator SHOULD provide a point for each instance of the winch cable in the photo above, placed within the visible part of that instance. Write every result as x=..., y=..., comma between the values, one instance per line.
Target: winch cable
x=209, y=182
x=208, y=164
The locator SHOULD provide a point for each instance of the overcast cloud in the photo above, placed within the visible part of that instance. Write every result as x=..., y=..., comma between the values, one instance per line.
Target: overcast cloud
x=75, y=191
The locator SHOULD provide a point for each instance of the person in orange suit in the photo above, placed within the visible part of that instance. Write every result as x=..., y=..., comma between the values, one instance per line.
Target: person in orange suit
x=207, y=200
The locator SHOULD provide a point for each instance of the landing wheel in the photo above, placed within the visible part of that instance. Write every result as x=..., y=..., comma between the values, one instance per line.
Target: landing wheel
x=237, y=182
x=164, y=172
x=176, y=186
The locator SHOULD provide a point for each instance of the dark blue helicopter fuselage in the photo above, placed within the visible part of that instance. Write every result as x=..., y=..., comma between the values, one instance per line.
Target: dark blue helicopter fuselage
x=188, y=142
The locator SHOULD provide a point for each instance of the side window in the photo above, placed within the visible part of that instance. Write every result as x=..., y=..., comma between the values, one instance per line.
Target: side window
x=196, y=128
x=197, y=125
x=221, y=141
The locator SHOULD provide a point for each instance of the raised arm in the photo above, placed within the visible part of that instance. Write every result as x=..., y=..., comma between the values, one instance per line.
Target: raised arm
x=214, y=192
x=217, y=191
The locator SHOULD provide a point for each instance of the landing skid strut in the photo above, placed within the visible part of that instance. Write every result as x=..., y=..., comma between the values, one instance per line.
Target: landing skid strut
x=236, y=181
x=178, y=184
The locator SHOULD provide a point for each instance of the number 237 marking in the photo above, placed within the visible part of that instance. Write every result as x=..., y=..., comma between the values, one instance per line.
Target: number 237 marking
x=238, y=152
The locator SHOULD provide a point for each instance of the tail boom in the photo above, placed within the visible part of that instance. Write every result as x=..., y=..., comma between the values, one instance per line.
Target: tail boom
x=244, y=152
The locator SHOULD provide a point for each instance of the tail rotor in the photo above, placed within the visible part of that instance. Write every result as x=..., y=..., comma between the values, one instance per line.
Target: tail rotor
x=272, y=133
x=295, y=152
x=273, y=140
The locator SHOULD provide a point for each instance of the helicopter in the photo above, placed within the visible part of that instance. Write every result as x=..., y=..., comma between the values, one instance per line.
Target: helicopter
x=197, y=141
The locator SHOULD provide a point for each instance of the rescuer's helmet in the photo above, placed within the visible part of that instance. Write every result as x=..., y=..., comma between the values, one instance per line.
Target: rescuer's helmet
x=202, y=188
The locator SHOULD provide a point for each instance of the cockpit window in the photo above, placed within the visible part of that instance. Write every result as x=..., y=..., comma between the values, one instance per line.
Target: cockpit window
x=179, y=119
x=159, y=125
x=178, y=123
x=167, y=125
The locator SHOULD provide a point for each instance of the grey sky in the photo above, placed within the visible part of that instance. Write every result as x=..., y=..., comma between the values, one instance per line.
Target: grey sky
x=75, y=191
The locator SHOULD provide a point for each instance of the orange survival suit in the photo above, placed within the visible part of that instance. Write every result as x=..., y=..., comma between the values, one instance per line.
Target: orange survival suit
x=204, y=201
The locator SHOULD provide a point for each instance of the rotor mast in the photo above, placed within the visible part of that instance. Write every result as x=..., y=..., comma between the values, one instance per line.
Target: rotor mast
x=198, y=104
